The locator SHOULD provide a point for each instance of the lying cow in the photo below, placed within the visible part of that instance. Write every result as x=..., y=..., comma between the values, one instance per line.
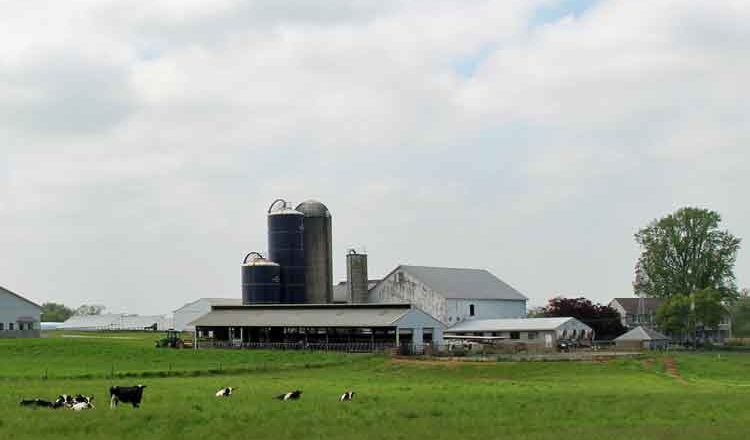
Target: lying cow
x=292, y=395
x=39, y=403
x=349, y=395
x=82, y=406
x=132, y=395
x=225, y=392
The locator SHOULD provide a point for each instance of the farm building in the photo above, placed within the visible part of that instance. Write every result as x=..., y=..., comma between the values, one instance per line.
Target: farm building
x=637, y=312
x=19, y=317
x=449, y=294
x=115, y=322
x=194, y=310
x=642, y=338
x=341, y=291
x=317, y=325
x=542, y=332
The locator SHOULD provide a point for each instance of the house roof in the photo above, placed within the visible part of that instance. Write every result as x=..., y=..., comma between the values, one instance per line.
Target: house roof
x=524, y=324
x=4, y=290
x=650, y=305
x=642, y=333
x=457, y=283
x=302, y=315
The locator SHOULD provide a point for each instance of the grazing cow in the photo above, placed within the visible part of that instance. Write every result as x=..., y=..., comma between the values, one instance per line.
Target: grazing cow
x=349, y=395
x=132, y=395
x=38, y=403
x=82, y=406
x=225, y=392
x=292, y=395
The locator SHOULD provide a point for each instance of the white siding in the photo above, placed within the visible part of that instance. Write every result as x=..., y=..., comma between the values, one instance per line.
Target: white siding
x=400, y=287
x=459, y=309
x=418, y=320
x=13, y=308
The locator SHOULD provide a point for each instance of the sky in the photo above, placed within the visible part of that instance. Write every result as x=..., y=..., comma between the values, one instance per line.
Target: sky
x=141, y=142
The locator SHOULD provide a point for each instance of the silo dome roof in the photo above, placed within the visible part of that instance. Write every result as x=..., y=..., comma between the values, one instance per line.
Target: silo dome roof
x=313, y=208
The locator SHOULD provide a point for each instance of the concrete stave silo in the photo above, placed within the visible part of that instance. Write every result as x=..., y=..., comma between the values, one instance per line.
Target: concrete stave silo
x=318, y=247
x=356, y=277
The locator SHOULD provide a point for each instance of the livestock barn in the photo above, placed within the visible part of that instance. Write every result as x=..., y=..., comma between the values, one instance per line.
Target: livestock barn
x=451, y=295
x=19, y=317
x=364, y=327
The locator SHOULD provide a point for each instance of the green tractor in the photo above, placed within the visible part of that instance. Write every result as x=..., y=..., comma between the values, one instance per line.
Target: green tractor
x=173, y=339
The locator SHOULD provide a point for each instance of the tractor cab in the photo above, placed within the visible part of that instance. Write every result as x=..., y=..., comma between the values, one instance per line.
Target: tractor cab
x=173, y=339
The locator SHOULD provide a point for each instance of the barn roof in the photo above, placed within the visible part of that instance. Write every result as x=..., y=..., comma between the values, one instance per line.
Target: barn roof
x=457, y=283
x=642, y=333
x=214, y=302
x=302, y=315
x=10, y=292
x=523, y=324
x=339, y=290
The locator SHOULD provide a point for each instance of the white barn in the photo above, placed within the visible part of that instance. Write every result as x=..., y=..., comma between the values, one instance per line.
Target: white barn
x=19, y=317
x=451, y=295
x=195, y=309
x=542, y=332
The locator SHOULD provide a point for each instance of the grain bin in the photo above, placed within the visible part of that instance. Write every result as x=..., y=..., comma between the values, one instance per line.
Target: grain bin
x=261, y=280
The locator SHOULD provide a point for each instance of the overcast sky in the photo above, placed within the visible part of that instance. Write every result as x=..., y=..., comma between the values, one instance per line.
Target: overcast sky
x=142, y=141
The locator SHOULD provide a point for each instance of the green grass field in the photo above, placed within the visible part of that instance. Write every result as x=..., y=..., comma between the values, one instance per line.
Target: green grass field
x=624, y=399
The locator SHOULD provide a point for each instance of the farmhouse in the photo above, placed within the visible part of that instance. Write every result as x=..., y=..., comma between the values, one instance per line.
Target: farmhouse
x=451, y=295
x=317, y=325
x=19, y=317
x=642, y=338
x=542, y=332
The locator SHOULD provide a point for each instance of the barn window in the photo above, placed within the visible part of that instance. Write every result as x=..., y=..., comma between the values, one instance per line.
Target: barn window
x=515, y=335
x=10, y=326
x=531, y=335
x=2, y=326
x=471, y=309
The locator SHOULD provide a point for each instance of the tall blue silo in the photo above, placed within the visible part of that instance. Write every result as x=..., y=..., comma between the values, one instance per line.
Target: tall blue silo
x=286, y=247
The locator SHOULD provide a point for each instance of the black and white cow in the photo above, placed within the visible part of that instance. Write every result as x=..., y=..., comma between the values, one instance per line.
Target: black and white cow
x=349, y=395
x=225, y=392
x=82, y=406
x=38, y=403
x=132, y=395
x=292, y=395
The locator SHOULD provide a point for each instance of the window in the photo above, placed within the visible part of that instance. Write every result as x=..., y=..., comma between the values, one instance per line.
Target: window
x=10, y=326
x=515, y=335
x=2, y=326
x=531, y=335
x=471, y=309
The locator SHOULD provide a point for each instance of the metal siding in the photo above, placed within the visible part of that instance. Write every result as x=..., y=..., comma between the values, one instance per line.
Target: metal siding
x=405, y=288
x=11, y=309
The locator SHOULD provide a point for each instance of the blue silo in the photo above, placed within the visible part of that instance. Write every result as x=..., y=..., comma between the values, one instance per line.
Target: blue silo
x=286, y=247
x=261, y=280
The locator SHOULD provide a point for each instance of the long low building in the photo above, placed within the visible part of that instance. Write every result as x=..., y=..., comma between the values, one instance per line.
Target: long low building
x=115, y=322
x=543, y=332
x=380, y=325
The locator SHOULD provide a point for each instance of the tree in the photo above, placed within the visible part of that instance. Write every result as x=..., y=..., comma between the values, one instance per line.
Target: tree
x=741, y=317
x=87, y=310
x=707, y=308
x=53, y=312
x=685, y=252
x=605, y=320
x=674, y=316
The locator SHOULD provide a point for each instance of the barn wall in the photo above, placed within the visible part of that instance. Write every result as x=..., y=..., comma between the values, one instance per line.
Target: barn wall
x=11, y=309
x=400, y=287
x=419, y=320
x=458, y=309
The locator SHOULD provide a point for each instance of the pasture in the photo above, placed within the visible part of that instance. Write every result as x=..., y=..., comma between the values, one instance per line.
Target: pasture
x=681, y=396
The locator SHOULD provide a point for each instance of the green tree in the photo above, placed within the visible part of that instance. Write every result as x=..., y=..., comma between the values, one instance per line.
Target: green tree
x=53, y=312
x=675, y=317
x=685, y=252
x=87, y=310
x=740, y=310
x=707, y=308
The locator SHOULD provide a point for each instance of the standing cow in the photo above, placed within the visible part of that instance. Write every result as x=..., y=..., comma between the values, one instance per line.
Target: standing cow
x=132, y=395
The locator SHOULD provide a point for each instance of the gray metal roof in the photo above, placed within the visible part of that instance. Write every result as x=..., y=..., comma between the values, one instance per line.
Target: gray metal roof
x=641, y=333
x=650, y=305
x=299, y=315
x=340, y=293
x=499, y=325
x=454, y=283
